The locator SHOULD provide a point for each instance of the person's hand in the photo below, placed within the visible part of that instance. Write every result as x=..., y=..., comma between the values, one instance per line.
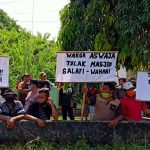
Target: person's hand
x=41, y=123
x=60, y=85
x=50, y=101
x=113, y=123
x=10, y=123
x=84, y=89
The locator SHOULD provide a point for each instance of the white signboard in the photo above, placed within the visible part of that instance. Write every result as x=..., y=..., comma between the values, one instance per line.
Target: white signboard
x=4, y=71
x=143, y=86
x=86, y=66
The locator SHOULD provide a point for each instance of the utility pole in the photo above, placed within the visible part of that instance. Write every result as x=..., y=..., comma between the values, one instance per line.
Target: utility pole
x=32, y=16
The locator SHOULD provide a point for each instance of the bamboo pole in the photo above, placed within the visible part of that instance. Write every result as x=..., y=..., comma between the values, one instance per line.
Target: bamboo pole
x=83, y=102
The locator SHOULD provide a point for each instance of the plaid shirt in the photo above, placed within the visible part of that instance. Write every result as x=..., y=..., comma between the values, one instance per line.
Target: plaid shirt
x=15, y=111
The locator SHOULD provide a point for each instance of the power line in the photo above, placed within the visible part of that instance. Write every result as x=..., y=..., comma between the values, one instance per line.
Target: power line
x=8, y=2
x=20, y=13
x=35, y=21
x=41, y=12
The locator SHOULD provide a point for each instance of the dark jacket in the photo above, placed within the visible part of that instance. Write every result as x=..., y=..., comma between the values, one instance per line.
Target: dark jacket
x=64, y=98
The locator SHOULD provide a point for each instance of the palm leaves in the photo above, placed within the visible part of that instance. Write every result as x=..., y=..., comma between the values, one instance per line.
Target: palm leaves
x=109, y=25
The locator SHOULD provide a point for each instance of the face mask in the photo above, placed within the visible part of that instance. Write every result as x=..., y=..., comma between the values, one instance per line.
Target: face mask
x=9, y=99
x=106, y=95
x=130, y=93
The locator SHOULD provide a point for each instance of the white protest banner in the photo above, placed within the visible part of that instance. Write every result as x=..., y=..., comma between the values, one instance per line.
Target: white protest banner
x=86, y=66
x=4, y=71
x=143, y=86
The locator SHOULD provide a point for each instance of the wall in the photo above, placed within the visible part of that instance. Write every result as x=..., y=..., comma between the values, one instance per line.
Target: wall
x=63, y=132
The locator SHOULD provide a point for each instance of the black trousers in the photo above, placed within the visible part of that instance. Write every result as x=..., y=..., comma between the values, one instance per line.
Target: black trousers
x=67, y=110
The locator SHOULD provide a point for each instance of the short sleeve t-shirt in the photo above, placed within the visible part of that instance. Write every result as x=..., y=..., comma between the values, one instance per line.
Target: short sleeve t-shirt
x=106, y=110
x=42, y=112
x=132, y=108
x=15, y=111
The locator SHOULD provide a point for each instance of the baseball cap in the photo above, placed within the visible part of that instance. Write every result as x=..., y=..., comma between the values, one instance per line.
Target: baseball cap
x=128, y=85
x=26, y=74
x=10, y=92
x=42, y=74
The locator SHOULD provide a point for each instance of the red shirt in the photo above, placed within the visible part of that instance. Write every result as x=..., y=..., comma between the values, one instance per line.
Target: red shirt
x=131, y=108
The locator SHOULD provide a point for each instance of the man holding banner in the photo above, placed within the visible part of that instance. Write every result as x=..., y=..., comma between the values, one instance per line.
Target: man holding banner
x=107, y=107
x=90, y=67
x=85, y=67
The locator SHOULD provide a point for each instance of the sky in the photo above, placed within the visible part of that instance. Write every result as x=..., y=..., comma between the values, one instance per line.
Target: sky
x=44, y=13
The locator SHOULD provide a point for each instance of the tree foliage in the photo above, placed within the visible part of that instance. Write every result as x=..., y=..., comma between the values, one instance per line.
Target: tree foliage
x=102, y=25
x=27, y=53
x=6, y=22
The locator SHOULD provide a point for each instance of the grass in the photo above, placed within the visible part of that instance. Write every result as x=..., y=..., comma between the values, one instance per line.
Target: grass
x=80, y=145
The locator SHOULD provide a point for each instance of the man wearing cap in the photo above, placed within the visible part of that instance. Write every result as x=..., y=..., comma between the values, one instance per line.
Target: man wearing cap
x=24, y=88
x=11, y=108
x=131, y=107
x=12, y=111
x=44, y=82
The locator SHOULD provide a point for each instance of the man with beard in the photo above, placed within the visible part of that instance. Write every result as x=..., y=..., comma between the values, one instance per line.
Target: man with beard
x=44, y=108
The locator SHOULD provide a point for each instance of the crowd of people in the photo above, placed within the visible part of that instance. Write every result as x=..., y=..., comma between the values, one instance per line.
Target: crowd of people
x=114, y=103
x=33, y=101
x=107, y=102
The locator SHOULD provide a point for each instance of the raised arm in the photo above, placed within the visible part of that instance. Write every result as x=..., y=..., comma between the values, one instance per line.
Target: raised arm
x=54, y=111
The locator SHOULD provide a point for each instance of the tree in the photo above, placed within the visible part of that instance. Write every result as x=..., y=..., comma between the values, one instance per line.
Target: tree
x=27, y=53
x=102, y=25
x=6, y=22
